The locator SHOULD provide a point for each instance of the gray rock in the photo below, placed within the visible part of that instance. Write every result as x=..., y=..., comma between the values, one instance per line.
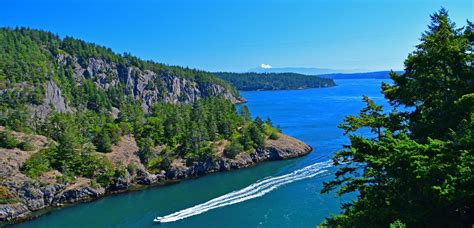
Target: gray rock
x=119, y=184
x=145, y=178
x=53, y=101
x=77, y=195
x=13, y=211
x=147, y=86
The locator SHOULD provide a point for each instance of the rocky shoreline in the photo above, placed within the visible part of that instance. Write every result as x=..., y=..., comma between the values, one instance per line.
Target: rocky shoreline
x=36, y=196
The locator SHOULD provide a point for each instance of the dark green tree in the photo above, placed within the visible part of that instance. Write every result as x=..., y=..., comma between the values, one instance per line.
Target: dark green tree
x=103, y=142
x=67, y=150
x=416, y=166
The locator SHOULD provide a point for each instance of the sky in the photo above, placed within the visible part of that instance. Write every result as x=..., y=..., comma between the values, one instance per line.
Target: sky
x=237, y=35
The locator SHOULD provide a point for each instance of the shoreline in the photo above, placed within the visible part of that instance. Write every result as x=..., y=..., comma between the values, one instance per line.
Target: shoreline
x=284, y=148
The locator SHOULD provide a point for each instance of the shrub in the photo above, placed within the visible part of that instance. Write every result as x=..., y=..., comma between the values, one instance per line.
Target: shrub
x=7, y=140
x=132, y=168
x=66, y=178
x=94, y=184
x=26, y=146
x=233, y=149
x=274, y=136
x=160, y=162
x=37, y=164
x=119, y=172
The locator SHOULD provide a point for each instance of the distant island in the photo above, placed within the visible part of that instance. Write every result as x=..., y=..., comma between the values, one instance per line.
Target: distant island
x=365, y=75
x=274, y=81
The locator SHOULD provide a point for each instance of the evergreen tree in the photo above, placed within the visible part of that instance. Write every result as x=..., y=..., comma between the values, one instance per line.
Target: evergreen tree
x=68, y=149
x=103, y=142
x=416, y=167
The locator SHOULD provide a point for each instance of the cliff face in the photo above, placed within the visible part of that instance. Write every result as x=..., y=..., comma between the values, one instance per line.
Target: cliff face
x=33, y=195
x=146, y=86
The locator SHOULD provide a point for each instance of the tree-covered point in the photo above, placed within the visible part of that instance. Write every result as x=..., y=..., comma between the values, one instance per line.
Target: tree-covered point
x=417, y=166
x=274, y=81
x=192, y=132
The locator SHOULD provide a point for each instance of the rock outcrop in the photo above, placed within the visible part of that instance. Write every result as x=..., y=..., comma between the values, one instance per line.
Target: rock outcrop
x=147, y=86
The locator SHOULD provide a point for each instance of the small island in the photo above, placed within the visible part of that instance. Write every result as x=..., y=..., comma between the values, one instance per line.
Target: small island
x=274, y=81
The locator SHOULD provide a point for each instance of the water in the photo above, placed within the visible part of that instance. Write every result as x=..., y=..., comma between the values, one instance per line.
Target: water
x=275, y=194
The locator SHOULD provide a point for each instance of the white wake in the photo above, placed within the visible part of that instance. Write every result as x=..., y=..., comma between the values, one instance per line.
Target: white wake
x=252, y=191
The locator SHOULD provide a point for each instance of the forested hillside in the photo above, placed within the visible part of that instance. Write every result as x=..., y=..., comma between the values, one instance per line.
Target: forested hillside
x=85, y=98
x=38, y=66
x=274, y=81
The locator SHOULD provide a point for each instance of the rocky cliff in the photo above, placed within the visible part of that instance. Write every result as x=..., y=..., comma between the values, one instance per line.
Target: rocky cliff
x=146, y=86
x=29, y=195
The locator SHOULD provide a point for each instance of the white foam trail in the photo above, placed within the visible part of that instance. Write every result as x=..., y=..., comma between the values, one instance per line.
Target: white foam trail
x=252, y=191
x=254, y=188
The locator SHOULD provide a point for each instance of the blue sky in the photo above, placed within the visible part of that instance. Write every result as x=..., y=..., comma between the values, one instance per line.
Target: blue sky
x=236, y=35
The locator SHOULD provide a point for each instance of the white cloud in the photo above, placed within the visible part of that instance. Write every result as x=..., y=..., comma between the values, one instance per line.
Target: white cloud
x=265, y=66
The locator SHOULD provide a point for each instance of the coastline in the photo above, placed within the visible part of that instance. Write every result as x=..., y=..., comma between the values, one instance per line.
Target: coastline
x=39, y=200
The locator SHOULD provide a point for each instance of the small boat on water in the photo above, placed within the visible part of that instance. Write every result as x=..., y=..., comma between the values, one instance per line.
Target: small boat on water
x=157, y=219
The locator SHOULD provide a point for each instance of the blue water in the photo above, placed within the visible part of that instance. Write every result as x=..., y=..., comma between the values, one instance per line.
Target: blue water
x=310, y=115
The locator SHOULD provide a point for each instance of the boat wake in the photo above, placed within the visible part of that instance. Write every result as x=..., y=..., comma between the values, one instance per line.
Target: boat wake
x=252, y=191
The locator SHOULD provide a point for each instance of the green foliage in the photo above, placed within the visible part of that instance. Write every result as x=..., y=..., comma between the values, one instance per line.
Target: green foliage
x=274, y=135
x=159, y=162
x=26, y=146
x=132, y=168
x=417, y=164
x=37, y=163
x=233, y=149
x=190, y=130
x=145, y=153
x=120, y=172
x=274, y=81
x=103, y=142
x=436, y=75
x=398, y=224
x=187, y=129
x=72, y=157
x=256, y=135
x=7, y=140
